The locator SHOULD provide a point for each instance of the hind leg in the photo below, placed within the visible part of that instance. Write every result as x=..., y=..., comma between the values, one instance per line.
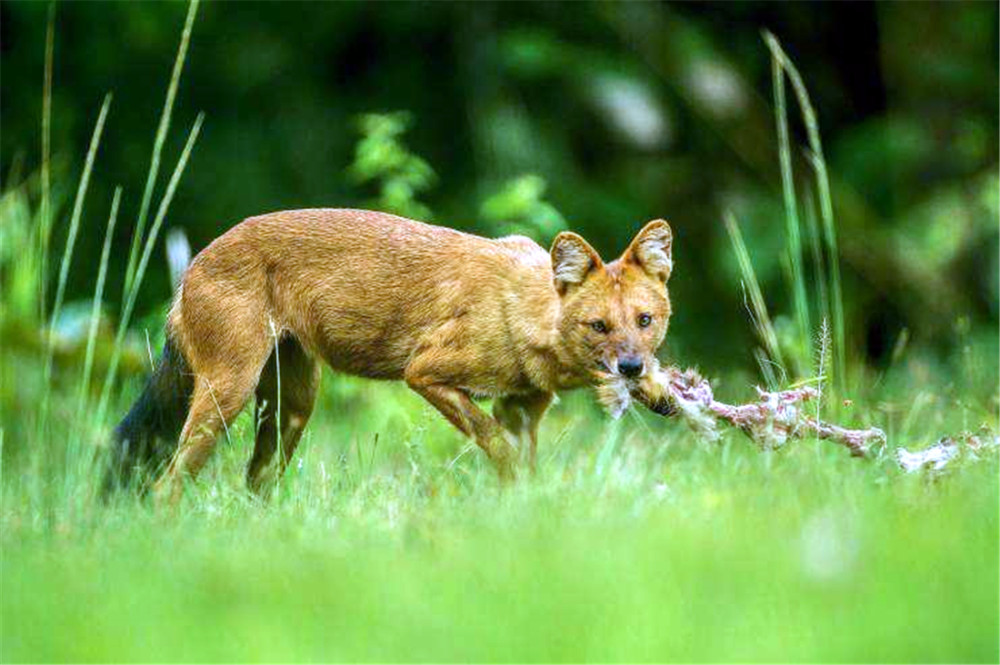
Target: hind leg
x=214, y=405
x=300, y=375
x=224, y=378
x=226, y=333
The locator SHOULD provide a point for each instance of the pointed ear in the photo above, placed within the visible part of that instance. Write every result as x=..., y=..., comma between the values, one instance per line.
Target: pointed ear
x=572, y=260
x=651, y=250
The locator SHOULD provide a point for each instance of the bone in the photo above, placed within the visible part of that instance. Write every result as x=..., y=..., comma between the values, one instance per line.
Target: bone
x=772, y=420
x=948, y=449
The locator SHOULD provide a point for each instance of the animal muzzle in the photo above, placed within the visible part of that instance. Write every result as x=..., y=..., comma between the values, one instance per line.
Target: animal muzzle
x=630, y=366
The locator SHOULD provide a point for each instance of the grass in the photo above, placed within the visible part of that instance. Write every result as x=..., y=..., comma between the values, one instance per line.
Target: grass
x=74, y=227
x=635, y=542
x=756, y=308
x=45, y=226
x=390, y=539
x=162, y=129
x=795, y=361
x=783, y=66
x=147, y=251
x=95, y=310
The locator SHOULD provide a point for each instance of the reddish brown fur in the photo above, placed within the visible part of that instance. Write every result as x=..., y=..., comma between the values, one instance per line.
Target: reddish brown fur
x=455, y=315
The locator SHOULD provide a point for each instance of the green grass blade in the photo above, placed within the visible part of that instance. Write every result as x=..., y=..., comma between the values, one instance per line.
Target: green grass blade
x=161, y=136
x=833, y=258
x=143, y=262
x=818, y=163
x=766, y=366
x=791, y=206
x=45, y=231
x=95, y=312
x=816, y=251
x=762, y=321
x=822, y=361
x=74, y=226
x=277, y=413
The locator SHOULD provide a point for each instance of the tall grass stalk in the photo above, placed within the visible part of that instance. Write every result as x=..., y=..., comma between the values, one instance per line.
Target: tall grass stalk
x=762, y=321
x=161, y=135
x=822, y=362
x=766, y=366
x=818, y=163
x=133, y=293
x=833, y=258
x=816, y=249
x=791, y=206
x=45, y=229
x=277, y=405
x=95, y=312
x=74, y=226
x=74, y=223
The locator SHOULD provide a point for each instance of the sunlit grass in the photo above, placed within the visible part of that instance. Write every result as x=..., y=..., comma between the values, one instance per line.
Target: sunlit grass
x=666, y=549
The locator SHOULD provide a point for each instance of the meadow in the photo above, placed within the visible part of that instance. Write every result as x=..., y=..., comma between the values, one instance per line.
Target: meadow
x=390, y=538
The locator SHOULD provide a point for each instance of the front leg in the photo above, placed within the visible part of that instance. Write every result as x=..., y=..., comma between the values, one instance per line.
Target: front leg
x=462, y=412
x=520, y=415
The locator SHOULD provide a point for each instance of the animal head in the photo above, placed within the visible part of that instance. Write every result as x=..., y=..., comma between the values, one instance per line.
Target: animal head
x=613, y=316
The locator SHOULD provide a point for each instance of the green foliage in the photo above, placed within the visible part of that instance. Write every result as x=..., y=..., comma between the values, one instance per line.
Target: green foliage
x=19, y=264
x=381, y=158
x=629, y=111
x=24, y=249
x=519, y=208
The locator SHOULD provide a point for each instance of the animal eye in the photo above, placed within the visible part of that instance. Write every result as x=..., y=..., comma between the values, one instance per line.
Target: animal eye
x=599, y=326
x=645, y=320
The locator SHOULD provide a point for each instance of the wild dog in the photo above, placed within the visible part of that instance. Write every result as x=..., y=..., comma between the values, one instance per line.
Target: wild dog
x=456, y=316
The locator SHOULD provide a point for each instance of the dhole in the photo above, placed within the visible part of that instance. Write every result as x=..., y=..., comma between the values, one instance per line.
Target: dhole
x=456, y=316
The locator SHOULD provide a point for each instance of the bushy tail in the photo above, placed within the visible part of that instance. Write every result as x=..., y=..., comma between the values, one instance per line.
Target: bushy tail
x=147, y=436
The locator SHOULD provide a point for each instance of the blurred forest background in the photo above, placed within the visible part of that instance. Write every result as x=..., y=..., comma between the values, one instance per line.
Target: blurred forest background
x=624, y=112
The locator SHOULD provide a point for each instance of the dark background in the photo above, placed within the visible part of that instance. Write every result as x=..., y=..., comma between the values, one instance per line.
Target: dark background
x=629, y=112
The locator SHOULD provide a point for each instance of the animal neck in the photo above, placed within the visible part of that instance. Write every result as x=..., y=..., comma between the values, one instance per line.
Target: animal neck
x=553, y=367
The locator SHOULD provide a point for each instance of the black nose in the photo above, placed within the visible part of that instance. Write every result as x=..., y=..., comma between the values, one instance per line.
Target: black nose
x=630, y=366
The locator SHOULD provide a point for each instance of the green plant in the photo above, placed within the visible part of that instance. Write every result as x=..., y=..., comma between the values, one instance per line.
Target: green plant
x=782, y=66
x=519, y=207
x=24, y=249
x=787, y=350
x=381, y=157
